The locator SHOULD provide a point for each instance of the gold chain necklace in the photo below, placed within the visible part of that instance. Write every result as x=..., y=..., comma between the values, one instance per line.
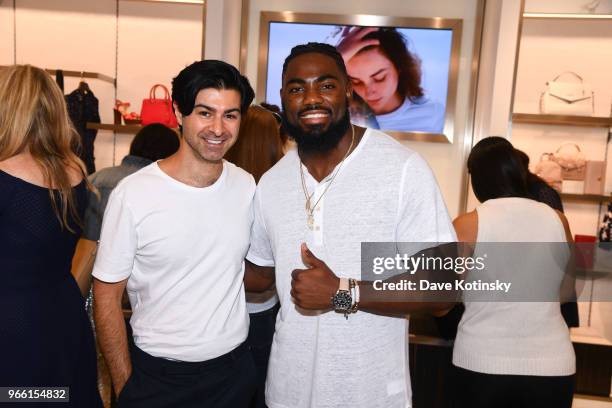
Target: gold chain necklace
x=310, y=209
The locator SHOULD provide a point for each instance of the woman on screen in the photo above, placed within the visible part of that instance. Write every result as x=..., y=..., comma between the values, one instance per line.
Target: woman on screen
x=387, y=77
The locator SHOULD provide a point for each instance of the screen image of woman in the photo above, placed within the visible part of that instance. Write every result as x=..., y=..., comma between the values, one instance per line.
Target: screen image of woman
x=386, y=80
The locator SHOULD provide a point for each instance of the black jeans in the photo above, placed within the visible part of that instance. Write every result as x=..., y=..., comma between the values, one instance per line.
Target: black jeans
x=227, y=381
x=479, y=390
x=261, y=332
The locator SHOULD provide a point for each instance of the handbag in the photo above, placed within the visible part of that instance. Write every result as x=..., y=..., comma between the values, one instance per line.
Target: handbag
x=549, y=171
x=605, y=228
x=572, y=161
x=568, y=98
x=156, y=110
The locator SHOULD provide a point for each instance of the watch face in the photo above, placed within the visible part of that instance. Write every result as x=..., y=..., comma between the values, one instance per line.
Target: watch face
x=342, y=300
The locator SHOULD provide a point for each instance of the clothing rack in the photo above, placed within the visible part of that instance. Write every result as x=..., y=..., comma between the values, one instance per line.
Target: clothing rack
x=80, y=74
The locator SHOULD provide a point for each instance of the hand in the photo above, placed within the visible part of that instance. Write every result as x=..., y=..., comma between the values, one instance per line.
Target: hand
x=351, y=41
x=313, y=288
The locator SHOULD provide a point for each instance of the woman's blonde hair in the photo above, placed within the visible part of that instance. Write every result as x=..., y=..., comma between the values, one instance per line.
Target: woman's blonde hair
x=34, y=119
x=259, y=144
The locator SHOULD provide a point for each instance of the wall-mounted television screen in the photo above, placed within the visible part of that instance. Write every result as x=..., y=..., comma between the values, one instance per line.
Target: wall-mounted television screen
x=403, y=76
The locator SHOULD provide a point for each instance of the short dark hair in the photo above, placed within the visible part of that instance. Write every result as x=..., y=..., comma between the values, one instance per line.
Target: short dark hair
x=154, y=142
x=316, y=48
x=209, y=74
x=496, y=170
x=408, y=66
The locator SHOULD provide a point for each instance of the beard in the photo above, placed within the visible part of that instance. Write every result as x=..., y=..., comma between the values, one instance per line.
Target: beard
x=317, y=140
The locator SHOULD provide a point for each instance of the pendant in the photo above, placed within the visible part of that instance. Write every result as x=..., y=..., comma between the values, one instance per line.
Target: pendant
x=310, y=222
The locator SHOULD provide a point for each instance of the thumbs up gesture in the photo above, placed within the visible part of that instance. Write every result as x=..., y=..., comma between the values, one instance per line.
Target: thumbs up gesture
x=312, y=288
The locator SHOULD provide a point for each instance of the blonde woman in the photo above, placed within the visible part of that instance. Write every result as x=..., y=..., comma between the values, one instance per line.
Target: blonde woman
x=45, y=337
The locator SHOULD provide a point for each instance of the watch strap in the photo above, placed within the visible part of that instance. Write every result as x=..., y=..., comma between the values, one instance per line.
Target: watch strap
x=344, y=284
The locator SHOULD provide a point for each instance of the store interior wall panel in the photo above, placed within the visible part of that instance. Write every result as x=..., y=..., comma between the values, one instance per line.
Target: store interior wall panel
x=6, y=33
x=223, y=30
x=446, y=160
x=156, y=41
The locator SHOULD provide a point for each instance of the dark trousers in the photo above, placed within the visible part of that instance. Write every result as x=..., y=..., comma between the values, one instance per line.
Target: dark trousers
x=227, y=381
x=261, y=332
x=478, y=390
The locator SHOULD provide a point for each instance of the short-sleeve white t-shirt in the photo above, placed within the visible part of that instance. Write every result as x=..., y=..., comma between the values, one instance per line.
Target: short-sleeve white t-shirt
x=384, y=192
x=182, y=250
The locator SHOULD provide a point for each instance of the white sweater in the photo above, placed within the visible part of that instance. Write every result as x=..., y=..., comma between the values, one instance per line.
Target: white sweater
x=516, y=338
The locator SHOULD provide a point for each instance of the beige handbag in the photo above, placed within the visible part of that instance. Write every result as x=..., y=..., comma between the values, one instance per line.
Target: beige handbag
x=572, y=161
x=549, y=171
x=567, y=97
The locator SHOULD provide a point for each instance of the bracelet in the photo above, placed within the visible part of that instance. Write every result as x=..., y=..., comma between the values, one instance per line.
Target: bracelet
x=354, y=287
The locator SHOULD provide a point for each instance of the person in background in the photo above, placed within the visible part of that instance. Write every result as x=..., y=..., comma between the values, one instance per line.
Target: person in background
x=387, y=77
x=259, y=145
x=512, y=354
x=277, y=115
x=46, y=339
x=258, y=148
x=176, y=234
x=540, y=191
x=151, y=143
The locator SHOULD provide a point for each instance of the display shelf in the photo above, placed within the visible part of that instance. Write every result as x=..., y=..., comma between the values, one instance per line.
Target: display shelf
x=567, y=16
x=114, y=128
x=595, y=198
x=568, y=120
x=201, y=2
x=79, y=74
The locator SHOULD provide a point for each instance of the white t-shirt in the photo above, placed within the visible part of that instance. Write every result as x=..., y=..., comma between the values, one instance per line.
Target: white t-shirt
x=384, y=192
x=183, y=249
x=422, y=115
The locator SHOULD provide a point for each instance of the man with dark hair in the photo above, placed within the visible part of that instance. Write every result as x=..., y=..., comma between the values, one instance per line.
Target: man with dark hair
x=344, y=185
x=176, y=233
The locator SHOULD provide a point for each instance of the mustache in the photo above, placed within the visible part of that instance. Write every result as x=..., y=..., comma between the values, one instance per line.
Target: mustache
x=309, y=108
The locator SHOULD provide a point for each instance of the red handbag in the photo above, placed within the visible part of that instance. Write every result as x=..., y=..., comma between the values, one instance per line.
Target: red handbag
x=158, y=110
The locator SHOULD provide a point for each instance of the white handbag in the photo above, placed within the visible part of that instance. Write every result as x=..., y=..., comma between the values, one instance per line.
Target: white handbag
x=572, y=161
x=564, y=97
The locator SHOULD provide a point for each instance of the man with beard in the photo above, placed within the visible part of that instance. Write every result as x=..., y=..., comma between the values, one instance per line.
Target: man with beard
x=343, y=185
x=176, y=232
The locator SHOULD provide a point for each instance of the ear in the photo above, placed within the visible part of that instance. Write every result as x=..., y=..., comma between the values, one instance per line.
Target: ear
x=178, y=114
x=349, y=89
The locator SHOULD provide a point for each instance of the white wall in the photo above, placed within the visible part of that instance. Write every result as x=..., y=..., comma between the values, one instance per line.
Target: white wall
x=155, y=41
x=6, y=32
x=496, y=76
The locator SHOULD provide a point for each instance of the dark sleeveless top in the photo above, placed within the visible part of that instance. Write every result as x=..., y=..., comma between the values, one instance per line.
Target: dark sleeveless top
x=45, y=336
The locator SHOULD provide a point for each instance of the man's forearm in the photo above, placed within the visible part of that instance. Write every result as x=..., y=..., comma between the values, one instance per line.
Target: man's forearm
x=112, y=335
x=258, y=278
x=394, y=303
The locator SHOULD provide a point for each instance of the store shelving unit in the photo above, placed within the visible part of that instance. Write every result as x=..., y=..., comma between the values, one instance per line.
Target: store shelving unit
x=594, y=198
x=597, y=130
x=563, y=120
x=114, y=128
